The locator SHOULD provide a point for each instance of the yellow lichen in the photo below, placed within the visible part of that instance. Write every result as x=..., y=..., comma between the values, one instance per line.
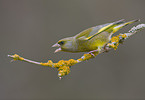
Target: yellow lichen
x=57, y=65
x=49, y=63
x=80, y=60
x=115, y=39
x=17, y=57
x=87, y=56
x=63, y=70
x=61, y=62
x=70, y=62
x=44, y=64
x=124, y=35
x=114, y=46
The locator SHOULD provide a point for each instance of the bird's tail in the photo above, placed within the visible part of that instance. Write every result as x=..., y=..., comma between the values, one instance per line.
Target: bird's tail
x=112, y=27
x=116, y=28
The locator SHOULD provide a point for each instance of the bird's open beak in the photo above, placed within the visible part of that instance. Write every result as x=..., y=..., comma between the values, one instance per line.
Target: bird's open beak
x=57, y=50
x=57, y=45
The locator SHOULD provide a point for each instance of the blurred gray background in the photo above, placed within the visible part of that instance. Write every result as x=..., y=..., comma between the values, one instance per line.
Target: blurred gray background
x=30, y=27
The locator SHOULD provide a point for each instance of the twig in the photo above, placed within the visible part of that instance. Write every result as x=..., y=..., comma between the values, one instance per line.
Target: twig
x=63, y=66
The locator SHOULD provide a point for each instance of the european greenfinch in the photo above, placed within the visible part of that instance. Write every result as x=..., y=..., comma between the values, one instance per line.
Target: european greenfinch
x=91, y=39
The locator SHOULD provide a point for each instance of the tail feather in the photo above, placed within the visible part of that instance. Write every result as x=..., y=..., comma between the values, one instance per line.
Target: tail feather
x=130, y=22
x=118, y=22
x=116, y=28
x=112, y=27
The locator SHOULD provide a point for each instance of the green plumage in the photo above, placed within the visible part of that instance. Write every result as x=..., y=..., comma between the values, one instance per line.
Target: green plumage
x=92, y=38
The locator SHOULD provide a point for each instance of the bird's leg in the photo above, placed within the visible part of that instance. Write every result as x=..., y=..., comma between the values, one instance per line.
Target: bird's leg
x=106, y=48
x=98, y=50
x=91, y=52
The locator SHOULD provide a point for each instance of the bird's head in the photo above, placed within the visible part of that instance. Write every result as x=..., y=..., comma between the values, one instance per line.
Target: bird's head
x=65, y=44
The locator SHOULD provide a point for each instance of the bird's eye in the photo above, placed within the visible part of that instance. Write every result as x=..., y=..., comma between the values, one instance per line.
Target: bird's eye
x=61, y=42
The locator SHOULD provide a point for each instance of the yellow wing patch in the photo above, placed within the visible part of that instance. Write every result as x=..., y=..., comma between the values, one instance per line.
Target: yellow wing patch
x=100, y=31
x=104, y=28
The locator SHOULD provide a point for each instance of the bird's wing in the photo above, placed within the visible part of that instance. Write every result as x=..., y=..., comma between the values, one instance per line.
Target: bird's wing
x=93, y=31
x=108, y=28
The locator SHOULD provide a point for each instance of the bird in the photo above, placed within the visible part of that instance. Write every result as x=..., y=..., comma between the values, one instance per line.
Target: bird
x=91, y=39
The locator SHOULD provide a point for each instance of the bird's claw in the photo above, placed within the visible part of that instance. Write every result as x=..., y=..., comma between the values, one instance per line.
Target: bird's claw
x=106, y=48
x=91, y=52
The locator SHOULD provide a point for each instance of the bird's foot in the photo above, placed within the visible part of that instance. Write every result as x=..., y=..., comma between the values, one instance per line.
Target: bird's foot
x=98, y=50
x=106, y=49
x=91, y=52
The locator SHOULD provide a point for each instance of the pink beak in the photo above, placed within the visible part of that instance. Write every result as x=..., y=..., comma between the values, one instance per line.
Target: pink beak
x=57, y=45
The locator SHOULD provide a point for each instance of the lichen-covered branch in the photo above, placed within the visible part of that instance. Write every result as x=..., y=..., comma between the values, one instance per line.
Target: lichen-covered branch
x=63, y=66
